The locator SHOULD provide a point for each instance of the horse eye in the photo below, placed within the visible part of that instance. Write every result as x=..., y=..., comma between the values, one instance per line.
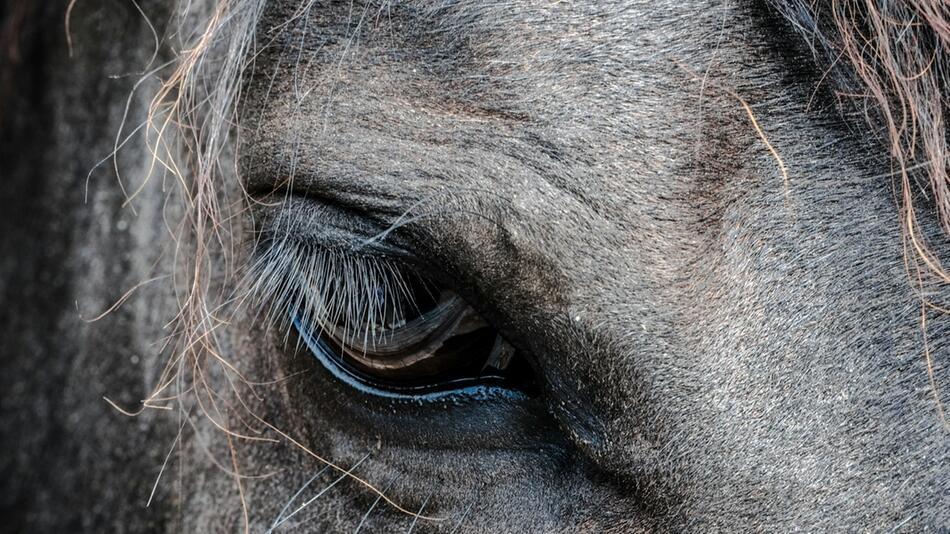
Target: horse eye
x=388, y=330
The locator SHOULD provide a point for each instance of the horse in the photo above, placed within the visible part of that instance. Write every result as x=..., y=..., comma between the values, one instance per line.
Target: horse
x=460, y=266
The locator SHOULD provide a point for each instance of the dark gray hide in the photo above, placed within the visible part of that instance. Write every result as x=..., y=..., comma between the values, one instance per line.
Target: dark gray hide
x=722, y=350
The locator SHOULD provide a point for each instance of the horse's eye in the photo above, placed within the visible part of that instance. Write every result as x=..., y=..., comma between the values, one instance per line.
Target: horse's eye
x=382, y=327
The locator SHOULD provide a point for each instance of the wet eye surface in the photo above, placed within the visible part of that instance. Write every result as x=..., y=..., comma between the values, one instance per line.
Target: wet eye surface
x=385, y=328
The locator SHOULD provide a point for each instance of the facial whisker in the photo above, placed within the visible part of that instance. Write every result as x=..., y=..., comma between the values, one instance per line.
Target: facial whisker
x=280, y=516
x=416, y=517
x=464, y=515
x=373, y=506
x=329, y=486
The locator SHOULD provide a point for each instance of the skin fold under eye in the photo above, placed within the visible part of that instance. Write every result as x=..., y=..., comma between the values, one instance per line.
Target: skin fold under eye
x=384, y=328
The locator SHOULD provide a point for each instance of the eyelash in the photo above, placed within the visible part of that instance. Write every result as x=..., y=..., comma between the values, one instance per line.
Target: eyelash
x=358, y=315
x=319, y=286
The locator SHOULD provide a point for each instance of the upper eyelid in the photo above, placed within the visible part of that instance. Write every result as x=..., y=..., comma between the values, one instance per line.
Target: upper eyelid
x=416, y=204
x=308, y=222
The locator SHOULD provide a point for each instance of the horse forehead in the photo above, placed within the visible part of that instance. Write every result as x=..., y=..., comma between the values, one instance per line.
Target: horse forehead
x=592, y=176
x=473, y=56
x=584, y=123
x=589, y=176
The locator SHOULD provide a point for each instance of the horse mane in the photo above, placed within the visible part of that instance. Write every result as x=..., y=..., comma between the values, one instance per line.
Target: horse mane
x=889, y=59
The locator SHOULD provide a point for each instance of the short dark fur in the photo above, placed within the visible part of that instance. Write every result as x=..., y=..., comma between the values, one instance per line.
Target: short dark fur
x=723, y=349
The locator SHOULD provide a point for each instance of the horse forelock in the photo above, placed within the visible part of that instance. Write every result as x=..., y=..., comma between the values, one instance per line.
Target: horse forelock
x=889, y=59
